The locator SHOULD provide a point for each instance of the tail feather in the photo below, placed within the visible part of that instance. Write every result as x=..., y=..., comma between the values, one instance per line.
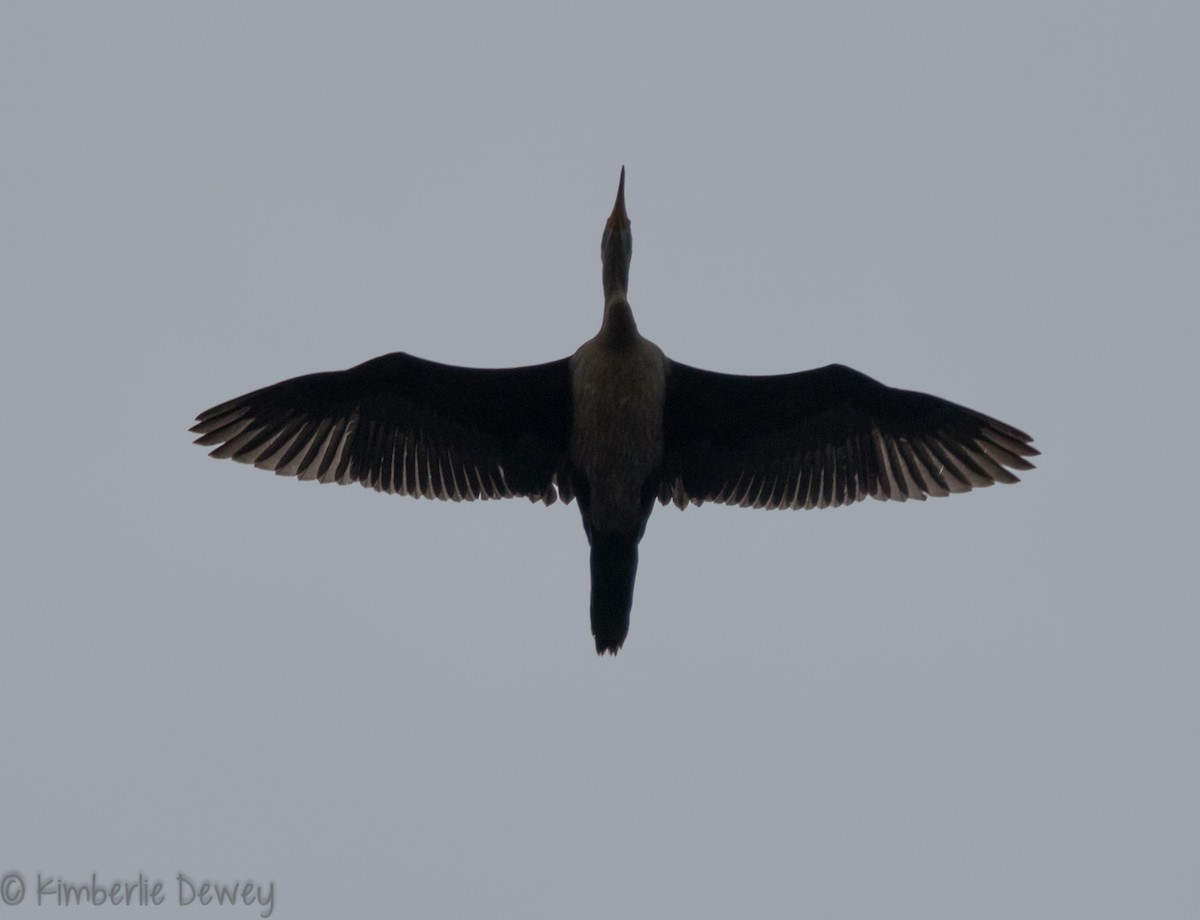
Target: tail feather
x=614, y=567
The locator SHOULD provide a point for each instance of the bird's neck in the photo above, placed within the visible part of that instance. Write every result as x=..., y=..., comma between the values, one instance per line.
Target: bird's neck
x=619, y=327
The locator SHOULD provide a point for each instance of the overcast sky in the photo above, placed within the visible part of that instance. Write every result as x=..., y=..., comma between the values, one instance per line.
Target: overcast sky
x=982, y=706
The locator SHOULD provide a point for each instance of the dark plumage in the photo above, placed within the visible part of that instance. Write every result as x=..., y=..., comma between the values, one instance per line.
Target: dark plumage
x=616, y=426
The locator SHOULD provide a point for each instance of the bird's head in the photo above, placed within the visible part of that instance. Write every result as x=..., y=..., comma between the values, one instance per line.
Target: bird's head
x=616, y=247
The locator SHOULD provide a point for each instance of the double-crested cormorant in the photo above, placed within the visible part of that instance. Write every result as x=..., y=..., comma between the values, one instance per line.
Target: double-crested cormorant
x=615, y=426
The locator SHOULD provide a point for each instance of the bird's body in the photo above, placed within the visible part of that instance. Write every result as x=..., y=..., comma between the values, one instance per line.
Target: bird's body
x=618, y=387
x=618, y=391
x=615, y=426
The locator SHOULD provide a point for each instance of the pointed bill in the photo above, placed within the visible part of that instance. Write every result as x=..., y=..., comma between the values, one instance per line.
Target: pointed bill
x=619, y=220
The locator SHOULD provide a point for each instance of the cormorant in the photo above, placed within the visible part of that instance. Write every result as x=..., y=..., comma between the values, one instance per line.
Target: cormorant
x=615, y=426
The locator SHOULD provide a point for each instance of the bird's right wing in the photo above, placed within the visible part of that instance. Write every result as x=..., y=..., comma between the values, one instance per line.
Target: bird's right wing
x=824, y=437
x=409, y=426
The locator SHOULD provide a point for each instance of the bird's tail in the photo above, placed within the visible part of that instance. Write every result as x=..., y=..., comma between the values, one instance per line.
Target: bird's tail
x=614, y=567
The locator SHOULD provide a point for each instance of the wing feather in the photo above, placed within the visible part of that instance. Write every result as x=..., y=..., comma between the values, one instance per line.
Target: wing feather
x=824, y=438
x=404, y=425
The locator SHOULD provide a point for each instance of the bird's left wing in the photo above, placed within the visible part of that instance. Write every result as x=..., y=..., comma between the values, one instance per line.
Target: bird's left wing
x=821, y=438
x=406, y=425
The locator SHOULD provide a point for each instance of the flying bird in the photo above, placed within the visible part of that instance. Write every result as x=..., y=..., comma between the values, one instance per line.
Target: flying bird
x=615, y=426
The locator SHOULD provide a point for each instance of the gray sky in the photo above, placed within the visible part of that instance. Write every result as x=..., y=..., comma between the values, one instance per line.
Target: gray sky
x=982, y=706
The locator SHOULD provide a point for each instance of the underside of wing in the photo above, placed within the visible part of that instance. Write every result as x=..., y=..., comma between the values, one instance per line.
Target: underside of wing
x=408, y=426
x=823, y=438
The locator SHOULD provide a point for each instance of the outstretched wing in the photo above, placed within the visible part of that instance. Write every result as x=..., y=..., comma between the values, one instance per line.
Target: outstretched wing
x=821, y=438
x=409, y=426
